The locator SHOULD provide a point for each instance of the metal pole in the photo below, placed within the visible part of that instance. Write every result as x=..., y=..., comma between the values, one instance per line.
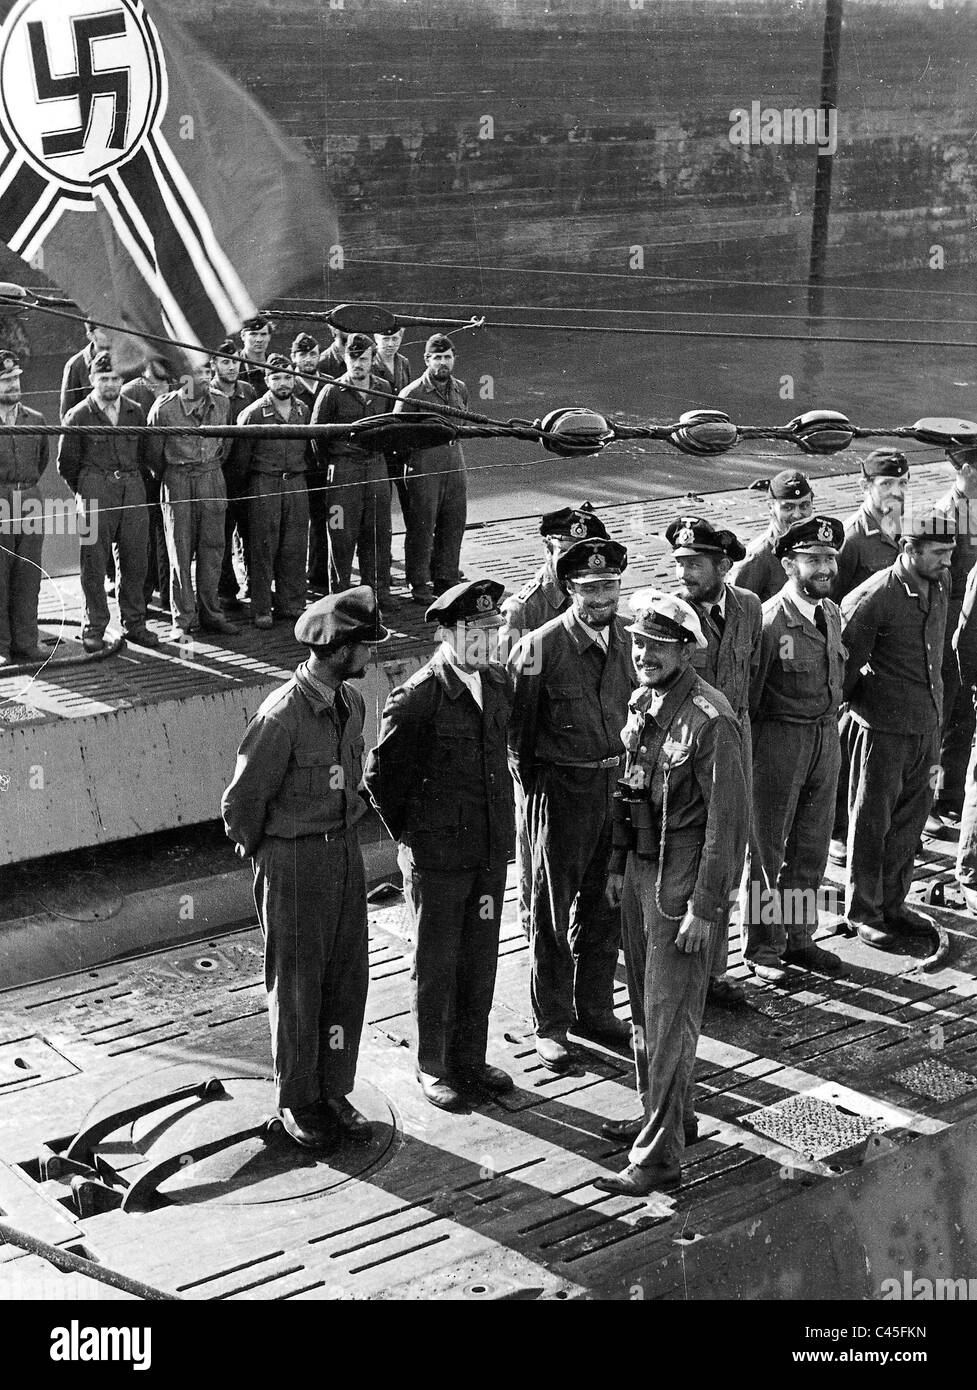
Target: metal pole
x=822, y=174
x=76, y=1264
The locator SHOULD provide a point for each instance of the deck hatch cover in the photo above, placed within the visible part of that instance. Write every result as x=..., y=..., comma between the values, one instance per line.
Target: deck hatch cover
x=812, y=1127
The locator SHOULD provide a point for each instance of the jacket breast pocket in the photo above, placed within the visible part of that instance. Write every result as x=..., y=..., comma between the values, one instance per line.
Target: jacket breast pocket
x=566, y=706
x=317, y=775
x=802, y=675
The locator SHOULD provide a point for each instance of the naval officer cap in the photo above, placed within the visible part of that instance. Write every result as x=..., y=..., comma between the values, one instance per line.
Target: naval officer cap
x=476, y=601
x=815, y=535
x=665, y=618
x=885, y=463
x=693, y=535
x=9, y=363
x=341, y=619
x=573, y=523
x=590, y=561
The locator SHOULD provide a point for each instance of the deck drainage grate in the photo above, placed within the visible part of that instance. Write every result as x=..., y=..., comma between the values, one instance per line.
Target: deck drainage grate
x=935, y=1080
x=812, y=1127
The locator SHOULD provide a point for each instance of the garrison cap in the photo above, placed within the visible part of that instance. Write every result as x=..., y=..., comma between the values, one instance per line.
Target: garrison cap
x=932, y=526
x=438, y=342
x=693, y=535
x=789, y=485
x=814, y=535
x=305, y=343
x=101, y=362
x=885, y=463
x=340, y=619
x=592, y=560
x=9, y=363
x=278, y=362
x=227, y=348
x=474, y=601
x=665, y=618
x=573, y=523
x=256, y=323
x=357, y=344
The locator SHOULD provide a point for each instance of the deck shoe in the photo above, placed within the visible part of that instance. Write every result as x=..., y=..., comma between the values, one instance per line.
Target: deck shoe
x=814, y=958
x=604, y=1028
x=553, y=1053
x=349, y=1120
x=639, y=1182
x=485, y=1078
x=440, y=1092
x=875, y=936
x=722, y=990
x=309, y=1127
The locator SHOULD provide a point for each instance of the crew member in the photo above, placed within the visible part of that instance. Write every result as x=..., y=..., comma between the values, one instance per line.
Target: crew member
x=439, y=777
x=894, y=629
x=541, y=599
x=790, y=499
x=351, y=515
x=573, y=678
x=730, y=619
x=796, y=694
x=272, y=474
x=255, y=342
x=332, y=362
x=193, y=499
x=225, y=378
x=957, y=733
x=76, y=377
x=392, y=373
x=305, y=354
x=292, y=807
x=437, y=489
x=871, y=544
x=22, y=461
x=965, y=648
x=107, y=474
x=681, y=814
x=154, y=381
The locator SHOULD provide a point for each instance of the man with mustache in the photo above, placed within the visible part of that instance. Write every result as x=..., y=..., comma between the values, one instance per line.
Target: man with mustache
x=794, y=705
x=292, y=807
x=680, y=818
x=894, y=628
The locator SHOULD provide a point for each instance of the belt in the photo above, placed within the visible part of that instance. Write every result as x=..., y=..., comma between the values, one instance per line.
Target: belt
x=599, y=762
x=285, y=473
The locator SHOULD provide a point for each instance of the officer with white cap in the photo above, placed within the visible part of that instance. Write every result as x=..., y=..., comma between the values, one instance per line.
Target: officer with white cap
x=439, y=776
x=292, y=806
x=680, y=817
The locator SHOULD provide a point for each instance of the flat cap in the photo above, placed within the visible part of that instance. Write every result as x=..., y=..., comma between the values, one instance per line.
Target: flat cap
x=693, y=535
x=814, y=535
x=101, y=362
x=573, y=523
x=9, y=363
x=474, y=601
x=665, y=618
x=592, y=560
x=340, y=619
x=885, y=463
x=305, y=343
x=789, y=485
x=278, y=362
x=256, y=323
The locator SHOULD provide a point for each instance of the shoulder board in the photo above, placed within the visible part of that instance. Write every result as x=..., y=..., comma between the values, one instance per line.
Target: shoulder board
x=705, y=706
x=425, y=673
x=528, y=589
